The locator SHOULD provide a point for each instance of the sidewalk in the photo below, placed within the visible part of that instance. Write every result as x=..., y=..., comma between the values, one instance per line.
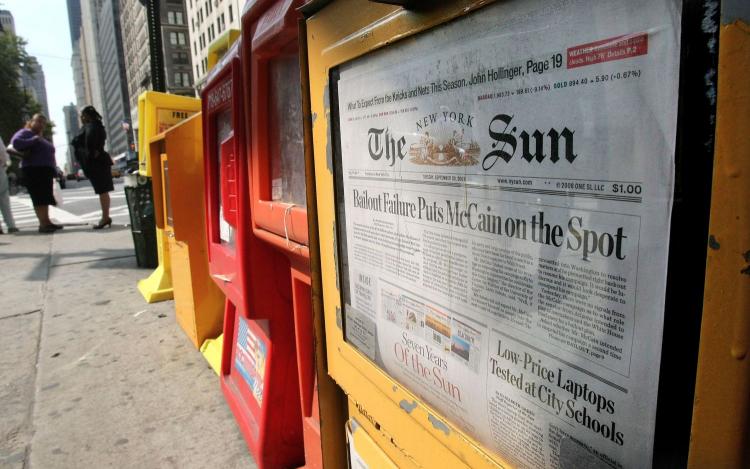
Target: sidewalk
x=93, y=376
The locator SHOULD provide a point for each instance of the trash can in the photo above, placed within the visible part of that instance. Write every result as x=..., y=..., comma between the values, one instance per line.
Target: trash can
x=142, y=224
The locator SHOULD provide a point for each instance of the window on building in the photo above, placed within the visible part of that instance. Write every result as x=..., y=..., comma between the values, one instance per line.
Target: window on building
x=185, y=79
x=173, y=38
x=179, y=19
x=178, y=79
x=231, y=15
x=196, y=70
x=181, y=39
x=170, y=17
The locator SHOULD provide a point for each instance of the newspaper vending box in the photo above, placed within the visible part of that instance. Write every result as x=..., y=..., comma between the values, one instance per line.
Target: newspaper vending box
x=258, y=372
x=512, y=211
x=157, y=112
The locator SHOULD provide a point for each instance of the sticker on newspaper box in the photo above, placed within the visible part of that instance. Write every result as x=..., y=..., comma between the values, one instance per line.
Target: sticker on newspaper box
x=250, y=359
x=167, y=118
x=507, y=186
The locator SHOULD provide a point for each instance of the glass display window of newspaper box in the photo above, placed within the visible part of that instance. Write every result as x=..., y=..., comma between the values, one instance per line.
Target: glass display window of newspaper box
x=258, y=372
x=501, y=189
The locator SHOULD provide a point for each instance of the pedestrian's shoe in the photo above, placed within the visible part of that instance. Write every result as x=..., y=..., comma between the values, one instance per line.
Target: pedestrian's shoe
x=47, y=229
x=12, y=230
x=103, y=224
x=56, y=226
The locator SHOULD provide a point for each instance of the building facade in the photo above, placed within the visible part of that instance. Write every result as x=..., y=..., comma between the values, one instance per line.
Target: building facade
x=116, y=110
x=175, y=39
x=208, y=20
x=34, y=84
x=89, y=48
x=173, y=44
x=74, y=23
x=6, y=22
x=136, y=52
x=72, y=127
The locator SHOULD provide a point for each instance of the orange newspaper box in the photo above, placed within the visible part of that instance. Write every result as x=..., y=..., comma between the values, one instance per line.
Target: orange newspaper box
x=178, y=152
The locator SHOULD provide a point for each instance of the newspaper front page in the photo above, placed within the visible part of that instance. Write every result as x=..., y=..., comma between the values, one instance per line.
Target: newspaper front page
x=506, y=187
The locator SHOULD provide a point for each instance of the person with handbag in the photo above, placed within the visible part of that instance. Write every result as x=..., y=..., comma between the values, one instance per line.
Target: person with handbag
x=5, y=190
x=94, y=160
x=39, y=168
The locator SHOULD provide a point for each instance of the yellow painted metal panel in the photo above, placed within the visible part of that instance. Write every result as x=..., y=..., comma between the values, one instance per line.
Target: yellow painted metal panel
x=722, y=395
x=341, y=32
x=156, y=113
x=366, y=446
x=220, y=46
x=199, y=302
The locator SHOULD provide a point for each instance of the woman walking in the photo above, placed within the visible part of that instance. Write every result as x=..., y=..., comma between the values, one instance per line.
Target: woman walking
x=38, y=167
x=95, y=162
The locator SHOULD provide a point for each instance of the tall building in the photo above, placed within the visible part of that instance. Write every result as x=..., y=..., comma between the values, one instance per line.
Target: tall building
x=7, y=22
x=209, y=19
x=74, y=20
x=77, y=65
x=74, y=23
x=34, y=84
x=170, y=69
x=175, y=39
x=135, y=48
x=72, y=128
x=89, y=48
x=116, y=110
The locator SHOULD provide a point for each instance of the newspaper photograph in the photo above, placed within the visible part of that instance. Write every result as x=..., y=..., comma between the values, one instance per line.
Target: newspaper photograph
x=505, y=197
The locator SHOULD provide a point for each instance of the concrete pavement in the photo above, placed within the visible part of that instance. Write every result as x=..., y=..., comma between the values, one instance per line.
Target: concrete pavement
x=91, y=375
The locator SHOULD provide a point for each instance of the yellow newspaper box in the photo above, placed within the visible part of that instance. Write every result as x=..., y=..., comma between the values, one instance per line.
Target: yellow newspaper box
x=158, y=112
x=512, y=204
x=199, y=303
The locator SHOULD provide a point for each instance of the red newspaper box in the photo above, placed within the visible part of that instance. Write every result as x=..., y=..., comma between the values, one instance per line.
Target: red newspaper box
x=258, y=372
x=273, y=94
x=226, y=178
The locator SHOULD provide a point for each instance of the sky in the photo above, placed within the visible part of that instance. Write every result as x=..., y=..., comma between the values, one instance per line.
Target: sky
x=44, y=26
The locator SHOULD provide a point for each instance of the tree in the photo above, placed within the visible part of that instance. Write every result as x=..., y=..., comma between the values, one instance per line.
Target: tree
x=17, y=104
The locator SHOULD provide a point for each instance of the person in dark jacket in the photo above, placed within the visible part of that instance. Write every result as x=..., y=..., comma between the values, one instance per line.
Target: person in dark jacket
x=38, y=167
x=95, y=162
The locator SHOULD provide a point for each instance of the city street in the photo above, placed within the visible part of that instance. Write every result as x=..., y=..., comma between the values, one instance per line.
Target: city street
x=90, y=374
x=80, y=206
